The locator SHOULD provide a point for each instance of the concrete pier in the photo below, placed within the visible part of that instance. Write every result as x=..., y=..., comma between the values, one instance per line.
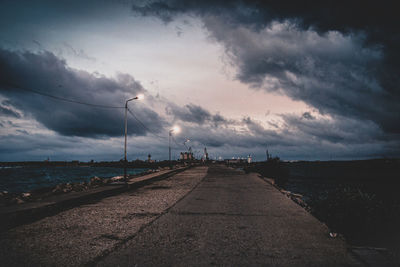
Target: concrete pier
x=200, y=217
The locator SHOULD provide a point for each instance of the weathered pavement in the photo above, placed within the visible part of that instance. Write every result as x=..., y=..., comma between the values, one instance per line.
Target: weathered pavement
x=233, y=219
x=14, y=215
x=84, y=234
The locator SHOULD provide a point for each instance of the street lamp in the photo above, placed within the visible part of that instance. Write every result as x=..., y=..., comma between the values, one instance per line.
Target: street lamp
x=138, y=97
x=174, y=129
x=184, y=143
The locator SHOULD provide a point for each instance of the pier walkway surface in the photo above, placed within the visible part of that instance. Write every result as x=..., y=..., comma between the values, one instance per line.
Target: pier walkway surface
x=232, y=219
x=200, y=217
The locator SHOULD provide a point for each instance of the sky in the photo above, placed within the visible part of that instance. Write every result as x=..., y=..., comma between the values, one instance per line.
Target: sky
x=307, y=80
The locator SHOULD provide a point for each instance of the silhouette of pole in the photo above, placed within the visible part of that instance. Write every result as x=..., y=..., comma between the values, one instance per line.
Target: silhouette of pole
x=175, y=129
x=126, y=133
x=169, y=146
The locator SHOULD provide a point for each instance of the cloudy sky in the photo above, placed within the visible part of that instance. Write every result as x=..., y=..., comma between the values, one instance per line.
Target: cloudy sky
x=306, y=80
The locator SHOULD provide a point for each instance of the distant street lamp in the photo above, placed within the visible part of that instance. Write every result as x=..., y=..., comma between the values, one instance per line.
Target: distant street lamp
x=138, y=97
x=175, y=129
x=184, y=143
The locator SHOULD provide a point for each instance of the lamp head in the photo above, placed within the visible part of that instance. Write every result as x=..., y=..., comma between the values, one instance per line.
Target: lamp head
x=140, y=97
x=176, y=129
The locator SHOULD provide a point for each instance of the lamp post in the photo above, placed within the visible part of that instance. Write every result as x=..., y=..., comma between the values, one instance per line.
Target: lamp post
x=169, y=146
x=175, y=129
x=139, y=97
x=184, y=143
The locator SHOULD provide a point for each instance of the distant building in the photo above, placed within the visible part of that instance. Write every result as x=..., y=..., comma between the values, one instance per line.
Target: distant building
x=149, y=160
x=269, y=156
x=233, y=160
x=186, y=156
x=249, y=159
x=205, y=157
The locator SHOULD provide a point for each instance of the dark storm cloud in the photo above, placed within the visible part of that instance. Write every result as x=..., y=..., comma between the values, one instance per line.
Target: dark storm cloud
x=333, y=73
x=378, y=19
x=340, y=130
x=30, y=142
x=46, y=73
x=195, y=114
x=341, y=59
x=343, y=134
x=189, y=113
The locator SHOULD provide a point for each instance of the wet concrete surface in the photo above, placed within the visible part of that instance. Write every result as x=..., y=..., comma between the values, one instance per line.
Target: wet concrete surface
x=233, y=219
x=83, y=235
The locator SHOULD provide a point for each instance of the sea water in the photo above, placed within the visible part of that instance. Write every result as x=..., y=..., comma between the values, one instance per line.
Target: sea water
x=26, y=178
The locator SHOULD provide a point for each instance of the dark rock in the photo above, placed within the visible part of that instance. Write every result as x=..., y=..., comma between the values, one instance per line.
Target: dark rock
x=95, y=181
x=17, y=200
x=26, y=195
x=58, y=189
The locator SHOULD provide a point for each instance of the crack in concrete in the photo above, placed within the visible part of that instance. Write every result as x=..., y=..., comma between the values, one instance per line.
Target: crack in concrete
x=189, y=213
x=141, y=215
